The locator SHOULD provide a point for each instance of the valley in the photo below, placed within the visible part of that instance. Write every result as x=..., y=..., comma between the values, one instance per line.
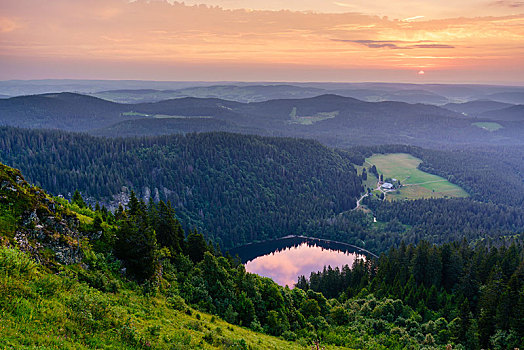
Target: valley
x=261, y=175
x=144, y=198
x=119, y=201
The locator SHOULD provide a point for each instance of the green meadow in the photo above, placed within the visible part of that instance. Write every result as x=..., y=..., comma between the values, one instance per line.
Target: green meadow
x=165, y=116
x=416, y=183
x=310, y=120
x=489, y=126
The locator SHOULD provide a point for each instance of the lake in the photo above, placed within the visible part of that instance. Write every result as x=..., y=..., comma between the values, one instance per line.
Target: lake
x=284, y=259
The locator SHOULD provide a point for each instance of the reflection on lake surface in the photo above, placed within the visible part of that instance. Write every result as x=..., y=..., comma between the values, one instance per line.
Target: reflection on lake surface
x=283, y=260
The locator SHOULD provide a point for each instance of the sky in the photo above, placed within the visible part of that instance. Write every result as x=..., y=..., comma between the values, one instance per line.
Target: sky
x=421, y=41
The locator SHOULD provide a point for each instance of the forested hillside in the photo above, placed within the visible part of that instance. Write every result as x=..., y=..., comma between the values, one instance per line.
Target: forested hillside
x=275, y=187
x=235, y=188
x=444, y=220
x=65, y=111
x=473, y=296
x=139, y=281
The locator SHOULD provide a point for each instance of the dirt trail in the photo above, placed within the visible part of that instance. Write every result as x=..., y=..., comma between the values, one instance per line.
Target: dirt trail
x=360, y=200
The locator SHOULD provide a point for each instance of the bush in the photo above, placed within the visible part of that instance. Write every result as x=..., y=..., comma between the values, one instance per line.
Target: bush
x=91, y=309
x=289, y=336
x=15, y=263
x=48, y=285
x=177, y=303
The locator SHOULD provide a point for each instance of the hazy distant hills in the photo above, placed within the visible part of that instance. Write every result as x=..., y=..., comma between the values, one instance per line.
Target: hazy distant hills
x=369, y=92
x=252, y=93
x=64, y=111
x=260, y=93
x=334, y=120
x=33, y=87
x=512, y=113
x=475, y=108
x=515, y=97
x=134, y=91
x=408, y=95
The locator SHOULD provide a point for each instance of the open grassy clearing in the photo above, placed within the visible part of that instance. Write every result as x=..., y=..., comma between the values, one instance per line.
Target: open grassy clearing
x=165, y=116
x=416, y=183
x=310, y=120
x=489, y=126
x=135, y=114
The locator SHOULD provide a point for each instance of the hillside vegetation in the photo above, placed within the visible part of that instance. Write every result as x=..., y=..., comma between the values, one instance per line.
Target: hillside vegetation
x=141, y=282
x=272, y=187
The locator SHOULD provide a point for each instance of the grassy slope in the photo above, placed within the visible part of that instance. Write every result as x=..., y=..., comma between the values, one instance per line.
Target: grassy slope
x=55, y=311
x=417, y=184
x=45, y=309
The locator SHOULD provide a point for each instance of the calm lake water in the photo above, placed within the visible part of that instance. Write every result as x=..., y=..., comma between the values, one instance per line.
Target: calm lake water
x=283, y=260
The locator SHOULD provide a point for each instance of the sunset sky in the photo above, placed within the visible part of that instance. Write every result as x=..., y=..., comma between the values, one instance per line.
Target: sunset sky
x=264, y=40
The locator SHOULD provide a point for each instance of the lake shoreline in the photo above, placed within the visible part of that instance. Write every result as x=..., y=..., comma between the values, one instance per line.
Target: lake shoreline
x=354, y=248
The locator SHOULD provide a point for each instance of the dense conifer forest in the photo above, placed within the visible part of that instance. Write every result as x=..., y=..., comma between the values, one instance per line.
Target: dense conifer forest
x=468, y=295
x=236, y=188
x=273, y=186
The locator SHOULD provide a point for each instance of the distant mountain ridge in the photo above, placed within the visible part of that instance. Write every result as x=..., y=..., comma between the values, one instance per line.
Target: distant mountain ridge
x=334, y=120
x=477, y=107
x=512, y=113
x=66, y=111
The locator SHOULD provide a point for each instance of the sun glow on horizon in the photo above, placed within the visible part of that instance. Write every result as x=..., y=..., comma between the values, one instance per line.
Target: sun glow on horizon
x=161, y=40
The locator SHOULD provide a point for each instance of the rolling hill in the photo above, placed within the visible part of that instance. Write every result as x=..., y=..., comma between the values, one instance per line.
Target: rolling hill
x=249, y=93
x=512, y=113
x=332, y=119
x=477, y=107
x=513, y=97
x=65, y=111
x=195, y=298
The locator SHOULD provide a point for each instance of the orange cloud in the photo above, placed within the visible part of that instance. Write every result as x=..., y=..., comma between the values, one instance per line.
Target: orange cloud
x=7, y=25
x=167, y=35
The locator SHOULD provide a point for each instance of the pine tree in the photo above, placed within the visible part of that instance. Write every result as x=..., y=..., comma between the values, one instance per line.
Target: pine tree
x=78, y=200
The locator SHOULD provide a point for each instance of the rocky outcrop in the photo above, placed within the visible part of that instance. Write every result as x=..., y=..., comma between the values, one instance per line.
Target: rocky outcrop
x=36, y=223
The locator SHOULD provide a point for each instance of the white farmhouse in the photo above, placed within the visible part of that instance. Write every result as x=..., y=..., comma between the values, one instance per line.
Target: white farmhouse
x=387, y=186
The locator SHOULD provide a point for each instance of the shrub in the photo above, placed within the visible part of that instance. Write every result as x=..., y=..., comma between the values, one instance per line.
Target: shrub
x=48, y=285
x=177, y=303
x=289, y=336
x=91, y=309
x=15, y=263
